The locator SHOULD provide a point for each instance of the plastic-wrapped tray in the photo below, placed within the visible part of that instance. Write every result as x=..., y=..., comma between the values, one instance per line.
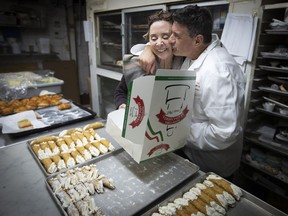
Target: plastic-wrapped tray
x=247, y=205
x=101, y=133
x=137, y=185
x=55, y=118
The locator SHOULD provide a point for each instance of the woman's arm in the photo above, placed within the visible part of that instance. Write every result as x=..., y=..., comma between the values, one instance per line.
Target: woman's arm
x=120, y=94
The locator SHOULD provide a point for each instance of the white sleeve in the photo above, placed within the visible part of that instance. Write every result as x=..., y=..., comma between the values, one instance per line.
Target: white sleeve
x=137, y=49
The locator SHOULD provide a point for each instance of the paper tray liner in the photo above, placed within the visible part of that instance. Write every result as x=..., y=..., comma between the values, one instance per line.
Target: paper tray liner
x=102, y=133
x=137, y=185
x=247, y=205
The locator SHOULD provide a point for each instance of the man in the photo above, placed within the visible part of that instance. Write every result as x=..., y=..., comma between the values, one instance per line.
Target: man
x=215, y=139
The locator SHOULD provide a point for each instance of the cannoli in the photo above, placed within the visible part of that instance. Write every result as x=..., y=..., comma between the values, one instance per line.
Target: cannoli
x=69, y=160
x=184, y=207
x=92, y=207
x=84, y=152
x=54, y=148
x=45, y=147
x=64, y=198
x=102, y=148
x=92, y=149
x=218, y=198
x=62, y=145
x=88, y=135
x=108, y=183
x=82, y=207
x=82, y=190
x=80, y=175
x=77, y=157
x=199, y=204
x=73, y=178
x=72, y=210
x=167, y=210
x=92, y=132
x=69, y=132
x=60, y=163
x=229, y=198
x=93, y=172
x=227, y=186
x=73, y=193
x=94, y=125
x=82, y=138
x=87, y=173
x=54, y=184
x=76, y=140
x=64, y=180
x=107, y=144
x=40, y=153
x=98, y=185
x=49, y=165
x=208, y=200
x=44, y=139
x=90, y=187
x=69, y=142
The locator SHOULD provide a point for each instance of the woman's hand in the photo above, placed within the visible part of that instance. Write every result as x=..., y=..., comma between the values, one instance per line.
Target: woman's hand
x=147, y=60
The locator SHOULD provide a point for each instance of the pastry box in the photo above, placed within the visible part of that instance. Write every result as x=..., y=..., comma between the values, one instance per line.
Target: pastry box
x=157, y=120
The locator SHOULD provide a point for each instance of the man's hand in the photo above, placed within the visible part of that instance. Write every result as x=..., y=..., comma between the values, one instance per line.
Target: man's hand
x=122, y=106
x=148, y=60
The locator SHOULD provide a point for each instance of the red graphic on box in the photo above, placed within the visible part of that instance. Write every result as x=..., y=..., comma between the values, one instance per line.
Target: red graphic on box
x=164, y=119
x=151, y=138
x=141, y=112
x=158, y=147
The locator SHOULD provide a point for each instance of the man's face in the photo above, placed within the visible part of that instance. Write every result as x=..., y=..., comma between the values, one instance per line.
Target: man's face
x=182, y=43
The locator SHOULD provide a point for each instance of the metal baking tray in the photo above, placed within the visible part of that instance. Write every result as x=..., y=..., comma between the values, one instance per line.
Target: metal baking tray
x=56, y=118
x=137, y=185
x=102, y=133
x=247, y=205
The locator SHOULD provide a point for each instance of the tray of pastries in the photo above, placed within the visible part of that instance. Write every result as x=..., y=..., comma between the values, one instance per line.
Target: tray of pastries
x=75, y=190
x=211, y=194
x=71, y=147
x=32, y=103
x=43, y=112
x=135, y=185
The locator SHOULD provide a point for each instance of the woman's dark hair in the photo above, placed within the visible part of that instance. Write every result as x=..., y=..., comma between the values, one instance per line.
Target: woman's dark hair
x=198, y=20
x=158, y=16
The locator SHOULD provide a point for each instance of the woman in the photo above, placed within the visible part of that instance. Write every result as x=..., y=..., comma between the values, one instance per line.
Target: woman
x=159, y=31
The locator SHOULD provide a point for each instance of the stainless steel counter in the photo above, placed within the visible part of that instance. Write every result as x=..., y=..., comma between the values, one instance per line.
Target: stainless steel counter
x=22, y=184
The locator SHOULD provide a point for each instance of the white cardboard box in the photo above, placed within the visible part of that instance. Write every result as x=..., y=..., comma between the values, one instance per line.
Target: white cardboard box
x=158, y=114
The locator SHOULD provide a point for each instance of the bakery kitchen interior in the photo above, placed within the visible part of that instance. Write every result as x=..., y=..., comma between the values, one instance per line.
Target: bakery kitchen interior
x=53, y=42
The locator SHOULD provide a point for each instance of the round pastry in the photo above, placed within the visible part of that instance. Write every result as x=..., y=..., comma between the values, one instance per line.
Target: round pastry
x=64, y=106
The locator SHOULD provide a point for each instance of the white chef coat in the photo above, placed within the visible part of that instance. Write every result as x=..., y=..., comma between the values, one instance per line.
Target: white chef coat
x=215, y=140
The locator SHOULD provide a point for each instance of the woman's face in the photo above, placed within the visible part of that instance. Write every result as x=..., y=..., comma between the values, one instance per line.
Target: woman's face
x=159, y=34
